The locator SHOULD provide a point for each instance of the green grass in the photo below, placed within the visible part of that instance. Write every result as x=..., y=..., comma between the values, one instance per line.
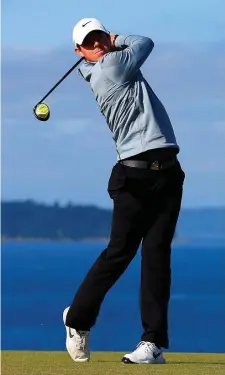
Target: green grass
x=108, y=363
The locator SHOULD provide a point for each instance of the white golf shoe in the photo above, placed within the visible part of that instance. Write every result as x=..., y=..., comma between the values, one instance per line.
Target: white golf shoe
x=145, y=353
x=76, y=342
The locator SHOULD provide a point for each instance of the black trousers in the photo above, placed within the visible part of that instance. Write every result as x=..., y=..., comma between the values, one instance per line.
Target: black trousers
x=146, y=209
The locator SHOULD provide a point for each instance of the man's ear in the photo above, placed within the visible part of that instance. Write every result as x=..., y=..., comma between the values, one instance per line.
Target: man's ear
x=78, y=51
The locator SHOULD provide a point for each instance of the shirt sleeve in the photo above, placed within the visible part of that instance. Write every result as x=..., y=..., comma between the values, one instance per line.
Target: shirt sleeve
x=121, y=66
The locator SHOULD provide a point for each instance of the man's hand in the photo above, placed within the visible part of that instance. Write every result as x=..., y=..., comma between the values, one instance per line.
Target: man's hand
x=112, y=41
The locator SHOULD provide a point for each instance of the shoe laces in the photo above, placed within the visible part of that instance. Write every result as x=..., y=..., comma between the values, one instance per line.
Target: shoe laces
x=82, y=339
x=148, y=346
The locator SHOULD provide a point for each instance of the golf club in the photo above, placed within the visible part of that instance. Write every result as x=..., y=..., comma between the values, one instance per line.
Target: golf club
x=41, y=110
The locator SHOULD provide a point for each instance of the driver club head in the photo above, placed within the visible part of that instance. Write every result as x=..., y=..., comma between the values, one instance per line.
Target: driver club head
x=41, y=112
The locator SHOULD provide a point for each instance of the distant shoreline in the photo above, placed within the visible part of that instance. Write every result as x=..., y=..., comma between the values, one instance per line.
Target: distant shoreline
x=30, y=221
x=63, y=240
x=68, y=240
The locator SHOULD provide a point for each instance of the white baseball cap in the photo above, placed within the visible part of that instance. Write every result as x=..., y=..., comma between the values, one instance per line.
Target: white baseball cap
x=84, y=27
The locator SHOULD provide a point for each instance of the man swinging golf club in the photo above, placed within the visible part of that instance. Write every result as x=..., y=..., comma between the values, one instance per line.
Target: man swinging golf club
x=145, y=185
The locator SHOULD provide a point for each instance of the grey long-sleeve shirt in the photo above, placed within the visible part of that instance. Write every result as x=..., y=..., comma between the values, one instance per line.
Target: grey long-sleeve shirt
x=134, y=114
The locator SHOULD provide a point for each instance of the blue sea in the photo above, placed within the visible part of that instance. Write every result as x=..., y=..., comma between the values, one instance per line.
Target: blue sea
x=39, y=280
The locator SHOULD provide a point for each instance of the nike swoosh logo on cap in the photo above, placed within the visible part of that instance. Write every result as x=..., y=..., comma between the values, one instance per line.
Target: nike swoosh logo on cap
x=86, y=23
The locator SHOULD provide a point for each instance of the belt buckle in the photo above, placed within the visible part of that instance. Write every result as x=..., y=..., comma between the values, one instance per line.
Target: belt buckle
x=155, y=165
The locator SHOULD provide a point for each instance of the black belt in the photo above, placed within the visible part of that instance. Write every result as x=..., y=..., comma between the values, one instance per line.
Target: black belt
x=154, y=165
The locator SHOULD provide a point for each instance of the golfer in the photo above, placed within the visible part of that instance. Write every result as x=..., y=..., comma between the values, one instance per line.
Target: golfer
x=145, y=185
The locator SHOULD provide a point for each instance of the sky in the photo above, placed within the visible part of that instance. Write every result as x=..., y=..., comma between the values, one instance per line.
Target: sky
x=70, y=157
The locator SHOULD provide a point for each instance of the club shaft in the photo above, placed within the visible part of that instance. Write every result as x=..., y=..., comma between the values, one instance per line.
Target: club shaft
x=57, y=84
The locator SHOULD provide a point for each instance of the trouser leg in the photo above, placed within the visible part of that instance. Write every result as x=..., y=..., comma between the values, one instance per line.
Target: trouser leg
x=162, y=215
x=126, y=235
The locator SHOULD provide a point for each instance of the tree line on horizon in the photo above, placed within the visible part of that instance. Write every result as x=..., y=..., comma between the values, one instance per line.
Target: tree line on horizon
x=28, y=219
x=31, y=220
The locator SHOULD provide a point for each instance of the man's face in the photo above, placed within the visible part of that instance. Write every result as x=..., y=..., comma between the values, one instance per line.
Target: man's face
x=95, y=45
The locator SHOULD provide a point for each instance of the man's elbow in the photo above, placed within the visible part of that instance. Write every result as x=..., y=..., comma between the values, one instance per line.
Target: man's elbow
x=150, y=44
